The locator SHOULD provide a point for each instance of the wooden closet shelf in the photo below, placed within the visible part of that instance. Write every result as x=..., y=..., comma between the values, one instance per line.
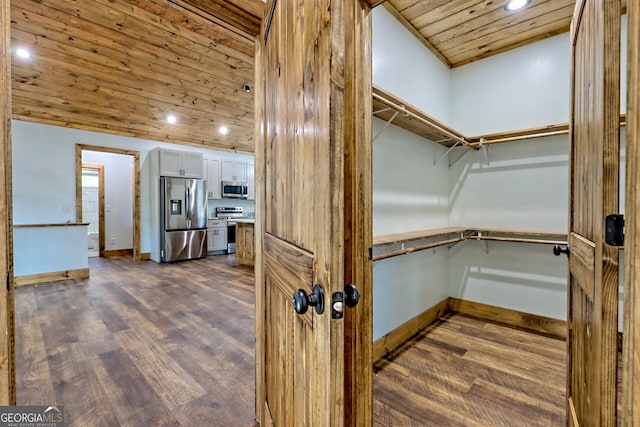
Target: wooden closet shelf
x=390, y=239
x=450, y=236
x=408, y=117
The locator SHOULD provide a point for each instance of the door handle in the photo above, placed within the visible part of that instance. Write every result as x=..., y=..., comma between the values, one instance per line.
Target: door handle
x=349, y=297
x=558, y=249
x=302, y=301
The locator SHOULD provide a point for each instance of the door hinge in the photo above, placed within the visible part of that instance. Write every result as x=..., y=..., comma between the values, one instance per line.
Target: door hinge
x=614, y=230
x=8, y=281
x=370, y=254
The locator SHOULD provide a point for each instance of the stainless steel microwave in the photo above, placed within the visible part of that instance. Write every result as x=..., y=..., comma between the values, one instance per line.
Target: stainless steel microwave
x=234, y=190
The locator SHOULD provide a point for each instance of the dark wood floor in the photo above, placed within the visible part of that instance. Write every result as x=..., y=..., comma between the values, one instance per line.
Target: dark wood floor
x=467, y=372
x=141, y=343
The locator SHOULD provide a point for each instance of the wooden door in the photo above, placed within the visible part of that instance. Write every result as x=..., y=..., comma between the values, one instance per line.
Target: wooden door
x=593, y=265
x=7, y=341
x=631, y=334
x=313, y=212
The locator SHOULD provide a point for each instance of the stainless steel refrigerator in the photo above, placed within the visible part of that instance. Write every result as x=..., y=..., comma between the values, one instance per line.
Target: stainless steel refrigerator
x=183, y=219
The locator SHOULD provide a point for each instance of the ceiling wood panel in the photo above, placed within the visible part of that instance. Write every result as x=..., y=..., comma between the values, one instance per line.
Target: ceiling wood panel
x=462, y=31
x=122, y=66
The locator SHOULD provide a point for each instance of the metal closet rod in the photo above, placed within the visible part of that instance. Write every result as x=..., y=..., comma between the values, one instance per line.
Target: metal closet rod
x=473, y=235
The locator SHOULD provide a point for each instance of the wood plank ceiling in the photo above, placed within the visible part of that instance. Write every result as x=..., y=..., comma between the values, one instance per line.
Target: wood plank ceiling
x=462, y=31
x=123, y=66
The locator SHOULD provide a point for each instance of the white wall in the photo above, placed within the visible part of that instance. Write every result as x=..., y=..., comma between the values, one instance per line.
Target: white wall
x=518, y=89
x=524, y=187
x=44, y=176
x=118, y=197
x=409, y=192
x=405, y=68
x=65, y=249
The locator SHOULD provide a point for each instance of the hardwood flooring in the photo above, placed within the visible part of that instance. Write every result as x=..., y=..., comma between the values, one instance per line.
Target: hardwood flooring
x=462, y=371
x=140, y=343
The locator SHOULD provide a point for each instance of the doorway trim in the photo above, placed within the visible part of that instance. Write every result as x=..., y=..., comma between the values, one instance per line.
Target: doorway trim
x=137, y=256
x=631, y=325
x=100, y=169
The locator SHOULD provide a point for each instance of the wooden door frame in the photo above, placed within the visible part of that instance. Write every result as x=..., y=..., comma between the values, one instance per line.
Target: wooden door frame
x=7, y=325
x=100, y=169
x=136, y=189
x=631, y=333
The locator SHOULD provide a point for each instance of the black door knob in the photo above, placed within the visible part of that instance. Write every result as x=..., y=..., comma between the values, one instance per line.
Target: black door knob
x=351, y=295
x=302, y=301
x=558, y=249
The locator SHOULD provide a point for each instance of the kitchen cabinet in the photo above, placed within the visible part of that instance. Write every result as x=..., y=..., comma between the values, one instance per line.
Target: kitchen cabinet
x=216, y=235
x=251, y=185
x=234, y=170
x=245, y=246
x=213, y=174
x=181, y=164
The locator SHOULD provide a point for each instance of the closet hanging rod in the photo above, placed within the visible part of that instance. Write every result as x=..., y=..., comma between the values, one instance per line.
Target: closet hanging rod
x=433, y=124
x=518, y=240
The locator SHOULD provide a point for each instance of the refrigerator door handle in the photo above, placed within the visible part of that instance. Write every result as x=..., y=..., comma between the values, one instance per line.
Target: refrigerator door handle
x=188, y=207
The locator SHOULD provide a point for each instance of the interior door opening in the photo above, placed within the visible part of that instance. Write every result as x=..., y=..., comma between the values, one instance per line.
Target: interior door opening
x=118, y=231
x=93, y=207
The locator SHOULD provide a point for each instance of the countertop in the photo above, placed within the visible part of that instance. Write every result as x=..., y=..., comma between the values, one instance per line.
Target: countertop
x=246, y=220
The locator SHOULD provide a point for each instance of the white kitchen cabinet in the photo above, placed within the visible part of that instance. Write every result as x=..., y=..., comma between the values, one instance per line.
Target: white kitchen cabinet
x=216, y=235
x=251, y=190
x=234, y=170
x=181, y=164
x=213, y=174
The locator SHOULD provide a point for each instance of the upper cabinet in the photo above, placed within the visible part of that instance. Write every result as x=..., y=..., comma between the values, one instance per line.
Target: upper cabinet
x=234, y=171
x=181, y=164
x=251, y=190
x=213, y=174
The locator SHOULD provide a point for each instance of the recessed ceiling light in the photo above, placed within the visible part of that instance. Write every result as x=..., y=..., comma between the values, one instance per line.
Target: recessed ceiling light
x=172, y=120
x=23, y=53
x=513, y=5
x=224, y=130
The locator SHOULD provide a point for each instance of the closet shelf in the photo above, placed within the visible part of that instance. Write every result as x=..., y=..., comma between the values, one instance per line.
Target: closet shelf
x=394, y=110
x=531, y=133
x=391, y=245
x=391, y=108
x=520, y=134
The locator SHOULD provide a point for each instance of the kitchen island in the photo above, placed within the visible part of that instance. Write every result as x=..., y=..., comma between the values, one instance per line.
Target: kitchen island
x=245, y=242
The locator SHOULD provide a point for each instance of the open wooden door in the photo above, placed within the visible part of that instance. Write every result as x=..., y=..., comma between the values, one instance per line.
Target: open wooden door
x=7, y=322
x=313, y=213
x=631, y=334
x=593, y=265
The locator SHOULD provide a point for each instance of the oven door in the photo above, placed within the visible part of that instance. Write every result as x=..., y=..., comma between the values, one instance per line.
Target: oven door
x=231, y=237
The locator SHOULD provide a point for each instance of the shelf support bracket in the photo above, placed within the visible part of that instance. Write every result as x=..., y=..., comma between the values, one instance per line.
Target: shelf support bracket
x=385, y=126
x=485, y=151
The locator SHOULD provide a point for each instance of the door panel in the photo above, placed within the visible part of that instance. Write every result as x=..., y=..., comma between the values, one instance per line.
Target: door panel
x=310, y=113
x=593, y=266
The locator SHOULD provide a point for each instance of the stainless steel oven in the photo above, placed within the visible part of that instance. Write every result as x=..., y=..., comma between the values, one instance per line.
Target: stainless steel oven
x=230, y=214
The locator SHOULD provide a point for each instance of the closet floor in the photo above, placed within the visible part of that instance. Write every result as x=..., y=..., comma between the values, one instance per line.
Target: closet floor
x=462, y=371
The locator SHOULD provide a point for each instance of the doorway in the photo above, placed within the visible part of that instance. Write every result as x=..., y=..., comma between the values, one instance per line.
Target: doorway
x=125, y=210
x=93, y=207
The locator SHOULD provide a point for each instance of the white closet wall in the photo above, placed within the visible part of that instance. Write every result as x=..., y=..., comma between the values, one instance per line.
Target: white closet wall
x=405, y=68
x=409, y=191
x=524, y=187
